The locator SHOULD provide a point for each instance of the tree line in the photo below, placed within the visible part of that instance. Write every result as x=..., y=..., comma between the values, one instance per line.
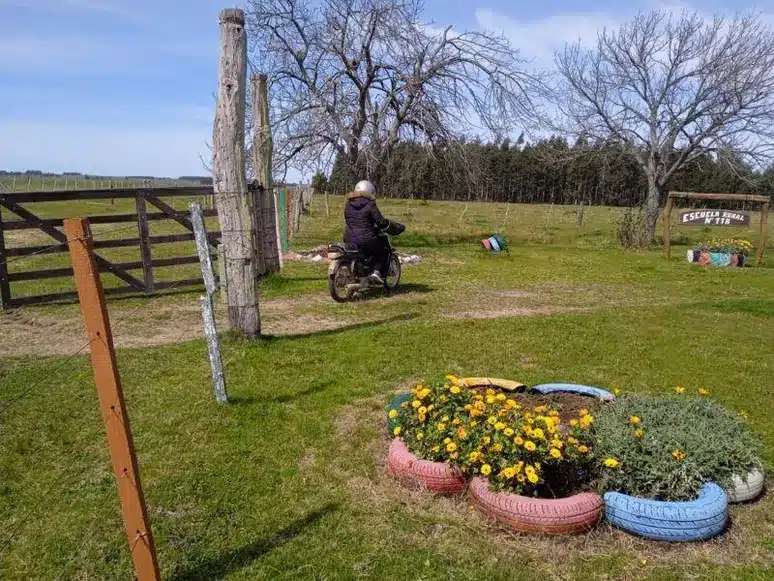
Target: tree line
x=548, y=171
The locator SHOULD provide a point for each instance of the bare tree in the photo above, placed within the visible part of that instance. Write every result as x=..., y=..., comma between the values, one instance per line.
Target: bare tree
x=672, y=89
x=354, y=77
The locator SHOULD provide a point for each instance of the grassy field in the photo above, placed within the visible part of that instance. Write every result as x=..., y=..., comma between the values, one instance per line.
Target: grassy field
x=287, y=481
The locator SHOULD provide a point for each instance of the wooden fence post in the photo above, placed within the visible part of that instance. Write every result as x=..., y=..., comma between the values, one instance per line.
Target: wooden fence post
x=145, y=247
x=667, y=218
x=208, y=314
x=764, y=228
x=111, y=399
x=5, y=285
x=262, y=150
x=229, y=179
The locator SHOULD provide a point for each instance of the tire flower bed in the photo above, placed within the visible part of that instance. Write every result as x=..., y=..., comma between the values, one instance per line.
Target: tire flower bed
x=539, y=459
x=721, y=252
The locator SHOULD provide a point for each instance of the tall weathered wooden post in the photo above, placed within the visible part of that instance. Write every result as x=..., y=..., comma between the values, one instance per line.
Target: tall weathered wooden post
x=229, y=178
x=262, y=153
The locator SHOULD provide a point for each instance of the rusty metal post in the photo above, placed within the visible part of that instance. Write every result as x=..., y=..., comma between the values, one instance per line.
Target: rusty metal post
x=111, y=399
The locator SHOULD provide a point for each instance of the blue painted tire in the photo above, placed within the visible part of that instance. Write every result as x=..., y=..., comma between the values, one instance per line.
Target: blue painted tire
x=547, y=388
x=395, y=405
x=495, y=245
x=694, y=520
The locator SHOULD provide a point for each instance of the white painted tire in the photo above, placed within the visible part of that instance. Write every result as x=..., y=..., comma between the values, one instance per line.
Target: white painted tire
x=742, y=491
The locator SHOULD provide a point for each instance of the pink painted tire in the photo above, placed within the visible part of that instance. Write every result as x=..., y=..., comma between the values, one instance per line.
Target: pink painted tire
x=574, y=514
x=437, y=477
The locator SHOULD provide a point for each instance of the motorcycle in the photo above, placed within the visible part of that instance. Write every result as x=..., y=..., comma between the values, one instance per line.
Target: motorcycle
x=349, y=272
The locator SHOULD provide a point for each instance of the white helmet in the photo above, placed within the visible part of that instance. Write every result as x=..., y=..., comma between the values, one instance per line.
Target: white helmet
x=365, y=186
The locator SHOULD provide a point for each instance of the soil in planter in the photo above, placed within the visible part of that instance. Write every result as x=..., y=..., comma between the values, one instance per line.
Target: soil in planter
x=567, y=404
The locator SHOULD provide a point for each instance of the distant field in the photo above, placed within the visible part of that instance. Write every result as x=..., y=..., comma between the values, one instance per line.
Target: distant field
x=22, y=183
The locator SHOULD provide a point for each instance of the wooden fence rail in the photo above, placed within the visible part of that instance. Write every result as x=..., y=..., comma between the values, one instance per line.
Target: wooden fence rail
x=21, y=205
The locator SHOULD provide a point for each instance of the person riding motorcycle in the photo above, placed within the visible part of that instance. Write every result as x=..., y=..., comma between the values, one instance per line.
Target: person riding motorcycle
x=364, y=221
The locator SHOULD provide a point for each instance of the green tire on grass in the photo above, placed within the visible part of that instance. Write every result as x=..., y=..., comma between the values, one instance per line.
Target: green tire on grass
x=395, y=405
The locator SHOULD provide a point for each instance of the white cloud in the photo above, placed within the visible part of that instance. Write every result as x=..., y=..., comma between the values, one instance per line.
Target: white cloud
x=105, y=150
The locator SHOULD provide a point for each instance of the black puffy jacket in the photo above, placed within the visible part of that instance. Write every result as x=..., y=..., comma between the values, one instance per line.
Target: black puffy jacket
x=363, y=219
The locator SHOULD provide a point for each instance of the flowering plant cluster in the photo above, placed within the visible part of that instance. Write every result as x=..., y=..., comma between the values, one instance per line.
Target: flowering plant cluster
x=727, y=245
x=485, y=432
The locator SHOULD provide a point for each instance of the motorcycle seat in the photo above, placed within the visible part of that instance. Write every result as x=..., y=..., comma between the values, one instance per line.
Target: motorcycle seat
x=345, y=248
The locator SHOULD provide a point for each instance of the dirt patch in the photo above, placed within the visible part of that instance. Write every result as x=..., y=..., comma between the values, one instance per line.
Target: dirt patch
x=508, y=312
x=568, y=405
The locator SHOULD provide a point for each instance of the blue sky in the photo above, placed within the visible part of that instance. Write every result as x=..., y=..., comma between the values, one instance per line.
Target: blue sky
x=125, y=87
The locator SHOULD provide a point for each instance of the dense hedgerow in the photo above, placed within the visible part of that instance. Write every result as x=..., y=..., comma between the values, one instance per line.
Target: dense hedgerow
x=667, y=447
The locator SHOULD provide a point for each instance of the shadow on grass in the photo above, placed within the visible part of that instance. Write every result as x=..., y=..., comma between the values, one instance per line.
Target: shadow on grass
x=315, y=387
x=756, y=307
x=218, y=567
x=344, y=329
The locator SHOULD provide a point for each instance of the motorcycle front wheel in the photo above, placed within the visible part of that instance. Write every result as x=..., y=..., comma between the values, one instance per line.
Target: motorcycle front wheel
x=393, y=277
x=338, y=281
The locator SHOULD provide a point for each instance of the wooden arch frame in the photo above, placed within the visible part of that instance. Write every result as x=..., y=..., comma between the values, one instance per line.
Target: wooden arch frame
x=764, y=201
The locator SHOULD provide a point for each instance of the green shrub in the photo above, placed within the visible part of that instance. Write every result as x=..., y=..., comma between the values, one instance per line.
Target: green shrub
x=667, y=447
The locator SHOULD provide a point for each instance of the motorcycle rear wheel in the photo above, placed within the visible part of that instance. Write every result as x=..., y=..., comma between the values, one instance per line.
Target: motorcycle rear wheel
x=338, y=281
x=393, y=276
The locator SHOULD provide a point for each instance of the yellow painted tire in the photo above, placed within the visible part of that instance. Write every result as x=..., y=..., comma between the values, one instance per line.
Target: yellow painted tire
x=505, y=384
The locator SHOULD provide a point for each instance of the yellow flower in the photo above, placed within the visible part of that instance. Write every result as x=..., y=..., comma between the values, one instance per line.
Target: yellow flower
x=530, y=445
x=451, y=447
x=680, y=389
x=476, y=413
x=612, y=463
x=500, y=397
x=474, y=456
x=444, y=399
x=743, y=414
x=634, y=420
x=497, y=448
x=491, y=420
x=509, y=472
x=508, y=432
x=486, y=469
x=456, y=422
x=586, y=421
x=638, y=433
x=583, y=412
x=454, y=389
x=520, y=478
x=538, y=434
x=490, y=391
x=422, y=410
x=703, y=391
x=473, y=423
x=679, y=455
x=499, y=426
x=452, y=378
x=420, y=435
x=430, y=407
x=436, y=449
x=447, y=440
x=440, y=426
x=616, y=391
x=571, y=440
x=554, y=453
x=416, y=403
x=556, y=443
x=421, y=417
x=531, y=474
x=541, y=409
x=490, y=399
x=423, y=393
x=392, y=414
x=573, y=423
x=485, y=440
x=511, y=403
x=462, y=433
x=583, y=449
x=396, y=431
x=404, y=404
x=518, y=440
x=445, y=419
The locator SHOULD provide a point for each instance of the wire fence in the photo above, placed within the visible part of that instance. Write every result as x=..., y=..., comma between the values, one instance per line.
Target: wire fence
x=24, y=183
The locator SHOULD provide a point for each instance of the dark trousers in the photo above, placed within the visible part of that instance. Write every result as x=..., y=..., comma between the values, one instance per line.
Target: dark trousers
x=379, y=254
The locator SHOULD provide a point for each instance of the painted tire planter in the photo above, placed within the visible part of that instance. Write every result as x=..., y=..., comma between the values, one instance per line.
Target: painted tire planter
x=395, y=405
x=437, y=477
x=574, y=514
x=716, y=258
x=749, y=489
x=695, y=520
x=505, y=384
x=547, y=388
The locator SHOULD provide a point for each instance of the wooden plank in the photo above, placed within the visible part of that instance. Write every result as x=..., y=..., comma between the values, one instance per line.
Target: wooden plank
x=213, y=349
x=729, y=197
x=120, y=290
x=111, y=401
x=145, y=247
x=762, y=238
x=119, y=243
x=104, y=194
x=5, y=286
x=180, y=217
x=105, y=219
x=134, y=265
x=202, y=247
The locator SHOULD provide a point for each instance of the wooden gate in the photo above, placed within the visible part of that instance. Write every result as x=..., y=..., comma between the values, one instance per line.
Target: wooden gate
x=21, y=207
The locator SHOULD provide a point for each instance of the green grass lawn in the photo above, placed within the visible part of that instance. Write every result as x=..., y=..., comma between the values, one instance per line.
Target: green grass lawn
x=288, y=480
